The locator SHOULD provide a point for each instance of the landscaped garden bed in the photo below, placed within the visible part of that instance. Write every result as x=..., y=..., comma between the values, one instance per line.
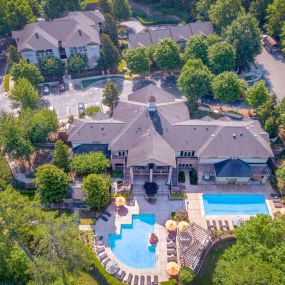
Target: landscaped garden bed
x=177, y=196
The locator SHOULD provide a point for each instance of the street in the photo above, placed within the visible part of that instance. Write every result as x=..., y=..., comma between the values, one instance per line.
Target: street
x=274, y=72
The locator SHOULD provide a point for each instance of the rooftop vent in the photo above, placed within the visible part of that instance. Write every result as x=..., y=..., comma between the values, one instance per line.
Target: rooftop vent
x=241, y=134
x=234, y=136
x=37, y=35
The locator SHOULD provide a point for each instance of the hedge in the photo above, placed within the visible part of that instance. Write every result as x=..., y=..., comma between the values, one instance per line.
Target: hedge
x=107, y=279
x=7, y=83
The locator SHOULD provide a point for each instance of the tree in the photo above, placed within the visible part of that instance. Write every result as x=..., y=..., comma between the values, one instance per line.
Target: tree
x=244, y=35
x=167, y=55
x=96, y=189
x=283, y=38
x=280, y=174
x=256, y=257
x=52, y=183
x=221, y=57
x=137, y=60
x=257, y=94
x=55, y=8
x=13, y=138
x=39, y=124
x=110, y=96
x=60, y=156
x=13, y=55
x=227, y=87
x=186, y=275
x=51, y=66
x=203, y=8
x=223, y=12
x=24, y=95
x=275, y=17
x=14, y=15
x=110, y=28
x=76, y=63
x=194, y=81
x=197, y=48
x=23, y=69
x=258, y=9
x=105, y=6
x=121, y=9
x=5, y=172
x=88, y=163
x=109, y=54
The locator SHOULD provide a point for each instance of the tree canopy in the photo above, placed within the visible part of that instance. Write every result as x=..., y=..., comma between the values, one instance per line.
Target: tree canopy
x=88, y=163
x=167, y=55
x=76, y=63
x=221, y=57
x=110, y=96
x=244, y=35
x=52, y=183
x=258, y=9
x=121, y=9
x=110, y=28
x=51, y=66
x=60, y=156
x=227, y=87
x=24, y=95
x=23, y=69
x=137, y=60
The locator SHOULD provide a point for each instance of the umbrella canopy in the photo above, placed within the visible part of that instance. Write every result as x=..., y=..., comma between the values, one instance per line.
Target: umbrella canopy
x=120, y=201
x=183, y=226
x=112, y=267
x=181, y=214
x=170, y=225
x=172, y=268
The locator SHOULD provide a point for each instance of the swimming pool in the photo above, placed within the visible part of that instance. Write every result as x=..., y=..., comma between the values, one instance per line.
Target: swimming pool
x=131, y=246
x=234, y=204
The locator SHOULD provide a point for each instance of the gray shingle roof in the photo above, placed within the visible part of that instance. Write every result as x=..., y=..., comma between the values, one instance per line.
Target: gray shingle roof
x=233, y=168
x=177, y=33
x=76, y=29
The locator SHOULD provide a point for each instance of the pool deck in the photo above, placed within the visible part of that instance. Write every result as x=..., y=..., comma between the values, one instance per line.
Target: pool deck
x=162, y=210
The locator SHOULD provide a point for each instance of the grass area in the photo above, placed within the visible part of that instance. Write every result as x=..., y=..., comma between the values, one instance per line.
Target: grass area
x=90, y=1
x=7, y=83
x=85, y=279
x=91, y=110
x=178, y=195
x=205, y=277
x=125, y=195
x=86, y=221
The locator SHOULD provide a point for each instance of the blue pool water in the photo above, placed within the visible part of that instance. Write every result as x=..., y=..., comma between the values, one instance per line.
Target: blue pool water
x=131, y=246
x=234, y=204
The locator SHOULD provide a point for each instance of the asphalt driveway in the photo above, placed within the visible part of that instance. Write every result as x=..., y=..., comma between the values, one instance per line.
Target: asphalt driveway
x=274, y=72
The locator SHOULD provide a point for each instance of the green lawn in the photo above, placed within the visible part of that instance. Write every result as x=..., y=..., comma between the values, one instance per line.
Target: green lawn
x=85, y=279
x=206, y=274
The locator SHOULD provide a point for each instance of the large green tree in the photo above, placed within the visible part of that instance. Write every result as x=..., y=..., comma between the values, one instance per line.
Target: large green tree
x=60, y=155
x=96, y=189
x=223, y=12
x=121, y=9
x=76, y=63
x=14, y=15
x=167, y=55
x=24, y=95
x=227, y=87
x=137, y=60
x=257, y=257
x=51, y=66
x=280, y=174
x=194, y=81
x=13, y=55
x=110, y=96
x=52, y=183
x=88, y=163
x=257, y=94
x=23, y=69
x=244, y=35
x=221, y=57
x=275, y=17
x=202, y=9
x=109, y=54
x=197, y=47
x=258, y=9
x=105, y=6
x=110, y=28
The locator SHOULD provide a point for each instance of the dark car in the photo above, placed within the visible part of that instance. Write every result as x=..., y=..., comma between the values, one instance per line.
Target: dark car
x=46, y=89
x=81, y=108
x=61, y=85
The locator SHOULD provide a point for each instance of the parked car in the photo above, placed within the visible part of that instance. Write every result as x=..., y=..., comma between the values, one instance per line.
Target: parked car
x=81, y=108
x=46, y=89
x=270, y=44
x=61, y=85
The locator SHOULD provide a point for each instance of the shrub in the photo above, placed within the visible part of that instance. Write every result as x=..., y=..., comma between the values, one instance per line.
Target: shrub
x=186, y=275
x=150, y=188
x=7, y=82
x=91, y=110
x=88, y=163
x=193, y=177
x=181, y=177
x=169, y=282
x=5, y=172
